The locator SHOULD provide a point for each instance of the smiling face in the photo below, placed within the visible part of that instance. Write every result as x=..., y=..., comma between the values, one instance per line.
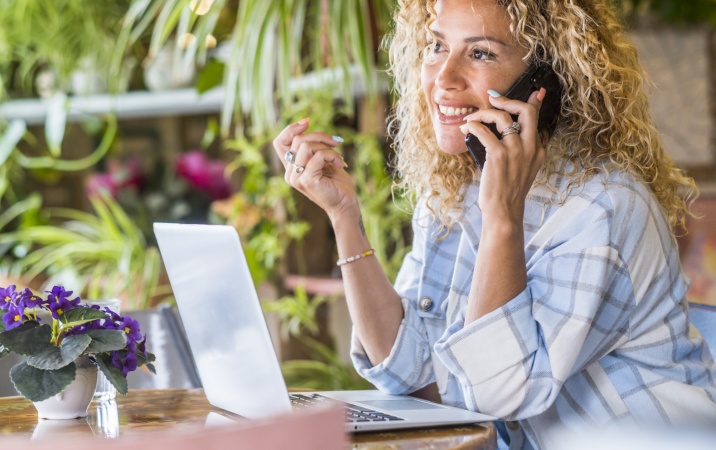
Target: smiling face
x=470, y=50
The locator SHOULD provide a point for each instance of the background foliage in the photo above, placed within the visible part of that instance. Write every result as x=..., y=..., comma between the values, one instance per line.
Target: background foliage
x=282, y=60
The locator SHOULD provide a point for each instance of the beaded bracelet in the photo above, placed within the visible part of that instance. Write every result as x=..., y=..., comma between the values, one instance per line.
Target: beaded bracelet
x=350, y=259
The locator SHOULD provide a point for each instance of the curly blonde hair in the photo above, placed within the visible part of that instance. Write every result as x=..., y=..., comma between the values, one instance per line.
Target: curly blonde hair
x=605, y=113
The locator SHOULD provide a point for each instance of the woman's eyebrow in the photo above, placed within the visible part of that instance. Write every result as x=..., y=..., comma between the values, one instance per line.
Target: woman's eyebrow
x=473, y=39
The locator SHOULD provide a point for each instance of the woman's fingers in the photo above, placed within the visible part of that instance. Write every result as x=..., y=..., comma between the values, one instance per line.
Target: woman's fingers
x=527, y=112
x=294, y=145
x=300, y=141
x=514, y=139
x=283, y=142
x=502, y=117
x=312, y=157
x=484, y=134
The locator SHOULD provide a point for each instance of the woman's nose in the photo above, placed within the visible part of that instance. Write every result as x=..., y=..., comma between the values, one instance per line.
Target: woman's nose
x=451, y=75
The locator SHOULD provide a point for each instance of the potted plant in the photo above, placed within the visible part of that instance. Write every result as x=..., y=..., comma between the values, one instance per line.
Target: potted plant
x=59, y=373
x=55, y=39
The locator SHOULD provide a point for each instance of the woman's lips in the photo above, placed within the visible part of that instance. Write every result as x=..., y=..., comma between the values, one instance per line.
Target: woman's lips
x=455, y=110
x=452, y=114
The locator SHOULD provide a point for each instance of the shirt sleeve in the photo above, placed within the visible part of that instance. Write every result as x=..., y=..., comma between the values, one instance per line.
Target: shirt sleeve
x=512, y=362
x=408, y=367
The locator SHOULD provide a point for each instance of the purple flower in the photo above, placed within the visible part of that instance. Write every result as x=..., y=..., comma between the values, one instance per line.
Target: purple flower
x=124, y=361
x=58, y=301
x=7, y=297
x=131, y=328
x=17, y=307
x=113, y=315
x=30, y=300
x=142, y=347
x=13, y=317
x=85, y=327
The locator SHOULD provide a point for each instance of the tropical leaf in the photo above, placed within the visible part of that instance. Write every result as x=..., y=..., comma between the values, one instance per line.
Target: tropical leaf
x=52, y=162
x=10, y=138
x=32, y=202
x=55, y=123
x=273, y=37
x=105, y=250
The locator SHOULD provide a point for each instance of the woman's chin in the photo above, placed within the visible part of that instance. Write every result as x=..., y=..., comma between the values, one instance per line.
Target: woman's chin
x=453, y=148
x=450, y=140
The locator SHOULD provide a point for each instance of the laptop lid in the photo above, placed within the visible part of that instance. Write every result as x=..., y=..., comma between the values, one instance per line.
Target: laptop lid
x=222, y=316
x=231, y=344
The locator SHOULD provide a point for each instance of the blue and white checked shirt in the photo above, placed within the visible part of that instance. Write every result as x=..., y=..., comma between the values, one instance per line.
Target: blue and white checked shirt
x=600, y=335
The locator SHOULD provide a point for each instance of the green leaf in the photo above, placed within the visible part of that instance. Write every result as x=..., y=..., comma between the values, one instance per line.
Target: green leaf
x=32, y=202
x=106, y=340
x=37, y=384
x=151, y=368
x=3, y=351
x=114, y=375
x=81, y=315
x=55, y=357
x=211, y=76
x=55, y=123
x=27, y=339
x=10, y=138
x=146, y=361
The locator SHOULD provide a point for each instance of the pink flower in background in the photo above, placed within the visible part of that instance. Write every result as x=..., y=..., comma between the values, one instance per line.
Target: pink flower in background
x=101, y=182
x=203, y=174
x=119, y=176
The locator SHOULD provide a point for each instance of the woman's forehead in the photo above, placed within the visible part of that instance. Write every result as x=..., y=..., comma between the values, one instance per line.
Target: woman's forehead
x=472, y=18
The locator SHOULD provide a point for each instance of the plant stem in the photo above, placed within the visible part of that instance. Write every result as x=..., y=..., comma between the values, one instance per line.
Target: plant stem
x=55, y=332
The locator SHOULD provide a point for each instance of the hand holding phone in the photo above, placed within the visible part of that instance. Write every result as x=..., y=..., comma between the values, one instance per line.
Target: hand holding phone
x=536, y=77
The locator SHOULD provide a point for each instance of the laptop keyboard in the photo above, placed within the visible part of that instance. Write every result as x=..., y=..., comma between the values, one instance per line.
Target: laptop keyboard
x=354, y=413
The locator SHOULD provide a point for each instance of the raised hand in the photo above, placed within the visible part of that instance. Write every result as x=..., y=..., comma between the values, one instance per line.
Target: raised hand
x=314, y=168
x=513, y=161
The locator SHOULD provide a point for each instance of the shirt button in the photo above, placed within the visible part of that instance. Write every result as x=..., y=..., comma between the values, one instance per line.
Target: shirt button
x=512, y=425
x=426, y=303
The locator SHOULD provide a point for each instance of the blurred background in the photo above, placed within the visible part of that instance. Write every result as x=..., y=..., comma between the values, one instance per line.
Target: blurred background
x=118, y=113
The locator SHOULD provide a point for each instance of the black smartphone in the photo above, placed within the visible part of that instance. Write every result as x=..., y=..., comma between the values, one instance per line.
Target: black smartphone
x=537, y=76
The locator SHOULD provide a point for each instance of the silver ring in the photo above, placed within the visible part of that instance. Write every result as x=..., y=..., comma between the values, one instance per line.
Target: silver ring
x=290, y=157
x=514, y=128
x=300, y=169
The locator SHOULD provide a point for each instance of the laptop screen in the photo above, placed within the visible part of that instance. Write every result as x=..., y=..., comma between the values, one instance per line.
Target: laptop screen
x=222, y=316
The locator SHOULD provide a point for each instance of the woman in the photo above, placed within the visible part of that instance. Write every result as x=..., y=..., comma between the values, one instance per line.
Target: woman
x=546, y=289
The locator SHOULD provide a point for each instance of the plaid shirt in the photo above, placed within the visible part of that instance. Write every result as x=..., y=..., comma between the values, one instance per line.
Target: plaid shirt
x=600, y=335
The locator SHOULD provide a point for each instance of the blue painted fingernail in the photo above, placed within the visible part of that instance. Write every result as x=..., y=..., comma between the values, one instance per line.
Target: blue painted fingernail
x=494, y=93
x=337, y=138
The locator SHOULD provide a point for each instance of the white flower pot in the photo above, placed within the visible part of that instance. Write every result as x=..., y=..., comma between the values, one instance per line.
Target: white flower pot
x=74, y=401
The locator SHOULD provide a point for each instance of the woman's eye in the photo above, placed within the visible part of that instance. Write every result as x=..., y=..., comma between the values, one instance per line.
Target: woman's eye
x=434, y=47
x=481, y=54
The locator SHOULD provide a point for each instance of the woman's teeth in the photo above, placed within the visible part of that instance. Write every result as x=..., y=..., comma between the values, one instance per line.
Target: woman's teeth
x=450, y=111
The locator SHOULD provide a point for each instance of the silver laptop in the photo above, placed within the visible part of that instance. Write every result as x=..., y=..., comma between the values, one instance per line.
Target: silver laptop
x=231, y=345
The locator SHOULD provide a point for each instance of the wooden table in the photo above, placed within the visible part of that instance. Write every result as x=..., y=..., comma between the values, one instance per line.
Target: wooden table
x=155, y=409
